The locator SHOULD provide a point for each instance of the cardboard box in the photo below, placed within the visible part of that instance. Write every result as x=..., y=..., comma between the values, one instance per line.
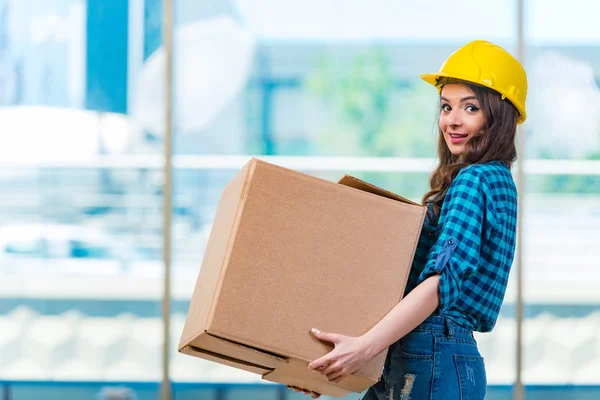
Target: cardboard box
x=289, y=252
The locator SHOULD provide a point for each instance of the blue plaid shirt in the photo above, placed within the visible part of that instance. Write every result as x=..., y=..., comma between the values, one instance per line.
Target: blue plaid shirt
x=471, y=245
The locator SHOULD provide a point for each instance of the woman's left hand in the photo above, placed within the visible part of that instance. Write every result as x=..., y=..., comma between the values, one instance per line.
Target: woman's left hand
x=348, y=356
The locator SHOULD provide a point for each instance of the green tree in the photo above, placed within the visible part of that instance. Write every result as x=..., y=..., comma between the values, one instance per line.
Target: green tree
x=372, y=113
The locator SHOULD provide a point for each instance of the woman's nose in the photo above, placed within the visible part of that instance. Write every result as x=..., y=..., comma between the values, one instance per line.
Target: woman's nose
x=454, y=119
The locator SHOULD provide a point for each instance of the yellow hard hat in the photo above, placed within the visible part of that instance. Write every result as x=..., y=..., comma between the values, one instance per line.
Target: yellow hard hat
x=486, y=64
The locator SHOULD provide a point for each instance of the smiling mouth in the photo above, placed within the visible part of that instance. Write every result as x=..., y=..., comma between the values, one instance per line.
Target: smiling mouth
x=458, y=135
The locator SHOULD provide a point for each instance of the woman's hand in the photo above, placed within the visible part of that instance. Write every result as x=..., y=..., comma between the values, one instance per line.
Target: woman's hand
x=348, y=356
x=314, y=395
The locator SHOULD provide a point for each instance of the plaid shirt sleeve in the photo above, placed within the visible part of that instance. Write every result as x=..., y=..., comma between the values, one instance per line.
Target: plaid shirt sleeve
x=456, y=254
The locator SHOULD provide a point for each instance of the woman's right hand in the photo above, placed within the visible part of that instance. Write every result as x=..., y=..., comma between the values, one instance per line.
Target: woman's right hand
x=314, y=395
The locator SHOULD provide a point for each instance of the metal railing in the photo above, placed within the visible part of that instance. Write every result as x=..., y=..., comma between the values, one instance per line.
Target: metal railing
x=304, y=163
x=103, y=390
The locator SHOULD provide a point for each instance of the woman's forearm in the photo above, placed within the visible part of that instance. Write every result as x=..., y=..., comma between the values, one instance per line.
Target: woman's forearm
x=419, y=304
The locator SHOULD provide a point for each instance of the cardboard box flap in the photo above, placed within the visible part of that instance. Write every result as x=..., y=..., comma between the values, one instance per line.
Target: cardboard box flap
x=297, y=374
x=234, y=352
x=217, y=250
x=226, y=360
x=349, y=180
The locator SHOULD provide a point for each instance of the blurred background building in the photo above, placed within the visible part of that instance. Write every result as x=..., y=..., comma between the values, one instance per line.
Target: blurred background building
x=324, y=86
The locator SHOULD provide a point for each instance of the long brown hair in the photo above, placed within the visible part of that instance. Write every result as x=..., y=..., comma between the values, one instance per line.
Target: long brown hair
x=496, y=142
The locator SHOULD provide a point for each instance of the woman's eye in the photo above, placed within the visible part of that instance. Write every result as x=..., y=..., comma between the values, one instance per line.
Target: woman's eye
x=446, y=107
x=471, y=108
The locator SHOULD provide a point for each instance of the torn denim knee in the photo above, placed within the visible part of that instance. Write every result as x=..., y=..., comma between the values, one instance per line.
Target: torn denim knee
x=409, y=380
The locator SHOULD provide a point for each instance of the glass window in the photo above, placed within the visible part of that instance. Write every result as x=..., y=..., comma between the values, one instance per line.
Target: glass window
x=32, y=248
x=328, y=87
x=74, y=197
x=81, y=249
x=563, y=192
x=332, y=83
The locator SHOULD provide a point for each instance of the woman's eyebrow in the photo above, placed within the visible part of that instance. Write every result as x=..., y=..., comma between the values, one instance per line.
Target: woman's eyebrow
x=461, y=100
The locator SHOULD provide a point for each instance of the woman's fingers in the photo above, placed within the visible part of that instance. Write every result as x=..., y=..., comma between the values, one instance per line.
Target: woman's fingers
x=297, y=389
x=331, y=368
x=336, y=376
x=307, y=392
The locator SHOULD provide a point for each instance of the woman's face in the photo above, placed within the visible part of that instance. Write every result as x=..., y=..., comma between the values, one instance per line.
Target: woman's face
x=461, y=117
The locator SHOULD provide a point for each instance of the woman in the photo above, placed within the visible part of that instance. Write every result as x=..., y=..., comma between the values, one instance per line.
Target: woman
x=462, y=263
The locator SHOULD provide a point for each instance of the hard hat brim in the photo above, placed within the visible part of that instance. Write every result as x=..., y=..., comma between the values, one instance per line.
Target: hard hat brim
x=433, y=78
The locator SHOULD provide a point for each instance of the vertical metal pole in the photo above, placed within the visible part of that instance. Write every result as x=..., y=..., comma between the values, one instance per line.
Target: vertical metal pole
x=518, y=389
x=166, y=301
x=7, y=391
